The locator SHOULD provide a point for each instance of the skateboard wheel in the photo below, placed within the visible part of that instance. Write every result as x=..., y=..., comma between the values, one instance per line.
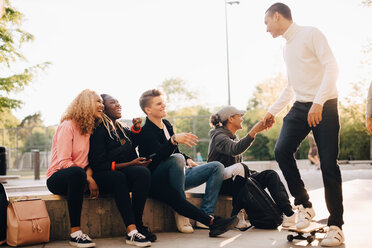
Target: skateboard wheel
x=290, y=237
x=310, y=239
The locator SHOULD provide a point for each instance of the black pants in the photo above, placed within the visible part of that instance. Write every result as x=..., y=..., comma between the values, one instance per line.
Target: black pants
x=71, y=183
x=295, y=129
x=133, y=178
x=267, y=179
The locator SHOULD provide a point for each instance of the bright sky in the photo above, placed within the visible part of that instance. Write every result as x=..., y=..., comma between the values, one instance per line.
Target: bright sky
x=123, y=47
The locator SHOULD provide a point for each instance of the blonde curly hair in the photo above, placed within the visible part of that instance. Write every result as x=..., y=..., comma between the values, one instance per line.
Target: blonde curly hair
x=82, y=110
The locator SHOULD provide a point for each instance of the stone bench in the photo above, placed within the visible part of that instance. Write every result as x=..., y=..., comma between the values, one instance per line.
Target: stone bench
x=100, y=217
x=4, y=178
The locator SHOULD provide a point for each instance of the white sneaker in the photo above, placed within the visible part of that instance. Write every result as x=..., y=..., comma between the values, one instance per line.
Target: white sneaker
x=289, y=220
x=201, y=225
x=242, y=224
x=183, y=223
x=305, y=215
x=334, y=237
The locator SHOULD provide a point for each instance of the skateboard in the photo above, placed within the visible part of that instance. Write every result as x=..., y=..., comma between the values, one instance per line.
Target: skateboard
x=311, y=230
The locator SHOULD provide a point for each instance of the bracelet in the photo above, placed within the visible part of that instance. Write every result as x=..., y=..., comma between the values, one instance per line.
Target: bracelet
x=174, y=139
x=113, y=165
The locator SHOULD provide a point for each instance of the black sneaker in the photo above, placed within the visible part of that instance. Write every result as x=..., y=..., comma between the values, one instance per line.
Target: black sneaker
x=138, y=239
x=221, y=225
x=147, y=233
x=81, y=240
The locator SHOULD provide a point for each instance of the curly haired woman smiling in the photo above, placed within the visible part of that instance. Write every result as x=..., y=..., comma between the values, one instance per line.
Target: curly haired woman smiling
x=68, y=172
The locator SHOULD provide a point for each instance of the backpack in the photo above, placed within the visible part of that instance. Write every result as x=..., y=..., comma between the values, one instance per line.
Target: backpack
x=3, y=207
x=261, y=209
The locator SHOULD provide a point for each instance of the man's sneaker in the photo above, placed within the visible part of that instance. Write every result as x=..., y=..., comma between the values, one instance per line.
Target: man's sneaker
x=334, y=237
x=137, y=239
x=305, y=215
x=242, y=225
x=201, y=225
x=183, y=223
x=289, y=220
x=79, y=239
x=221, y=225
x=147, y=233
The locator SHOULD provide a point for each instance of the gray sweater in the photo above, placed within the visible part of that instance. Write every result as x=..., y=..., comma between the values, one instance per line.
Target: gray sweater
x=226, y=147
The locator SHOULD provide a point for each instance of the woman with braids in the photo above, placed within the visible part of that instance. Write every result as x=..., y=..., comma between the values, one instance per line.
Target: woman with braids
x=118, y=170
x=68, y=172
x=224, y=146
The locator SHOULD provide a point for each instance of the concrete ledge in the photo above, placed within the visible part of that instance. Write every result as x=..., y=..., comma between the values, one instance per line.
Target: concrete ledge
x=100, y=217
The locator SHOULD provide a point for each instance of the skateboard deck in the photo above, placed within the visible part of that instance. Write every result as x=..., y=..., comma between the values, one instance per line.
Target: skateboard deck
x=307, y=233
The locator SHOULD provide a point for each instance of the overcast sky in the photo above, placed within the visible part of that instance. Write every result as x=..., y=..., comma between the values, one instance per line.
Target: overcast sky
x=123, y=47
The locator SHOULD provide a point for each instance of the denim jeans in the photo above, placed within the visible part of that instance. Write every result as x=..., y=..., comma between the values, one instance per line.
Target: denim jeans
x=294, y=130
x=212, y=174
x=168, y=184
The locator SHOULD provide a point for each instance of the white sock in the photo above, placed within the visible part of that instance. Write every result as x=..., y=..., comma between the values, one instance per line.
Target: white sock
x=130, y=234
x=75, y=234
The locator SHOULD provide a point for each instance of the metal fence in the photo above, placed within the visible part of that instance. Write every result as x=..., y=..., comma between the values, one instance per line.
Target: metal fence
x=19, y=142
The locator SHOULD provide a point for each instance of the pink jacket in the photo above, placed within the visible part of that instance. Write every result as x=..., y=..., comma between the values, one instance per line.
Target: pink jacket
x=69, y=148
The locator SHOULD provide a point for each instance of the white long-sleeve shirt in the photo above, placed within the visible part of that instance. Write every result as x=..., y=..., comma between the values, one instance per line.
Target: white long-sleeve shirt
x=311, y=68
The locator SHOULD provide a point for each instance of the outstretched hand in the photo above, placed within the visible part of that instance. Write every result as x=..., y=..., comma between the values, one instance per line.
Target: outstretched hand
x=268, y=120
x=188, y=139
x=259, y=127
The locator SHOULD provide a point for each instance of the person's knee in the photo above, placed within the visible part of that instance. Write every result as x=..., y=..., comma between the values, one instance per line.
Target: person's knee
x=77, y=174
x=143, y=174
x=282, y=152
x=272, y=175
x=218, y=168
x=179, y=159
x=239, y=171
x=77, y=177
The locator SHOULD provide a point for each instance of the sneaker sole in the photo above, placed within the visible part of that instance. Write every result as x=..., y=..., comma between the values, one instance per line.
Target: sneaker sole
x=82, y=245
x=228, y=227
x=139, y=244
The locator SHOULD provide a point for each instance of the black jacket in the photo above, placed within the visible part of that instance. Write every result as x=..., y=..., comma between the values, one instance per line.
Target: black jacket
x=226, y=147
x=104, y=150
x=152, y=140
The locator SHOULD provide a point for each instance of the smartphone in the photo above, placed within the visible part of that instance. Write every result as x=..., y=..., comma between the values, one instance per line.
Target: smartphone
x=151, y=156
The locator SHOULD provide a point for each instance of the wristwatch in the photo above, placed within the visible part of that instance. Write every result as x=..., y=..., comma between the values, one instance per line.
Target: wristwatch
x=174, y=139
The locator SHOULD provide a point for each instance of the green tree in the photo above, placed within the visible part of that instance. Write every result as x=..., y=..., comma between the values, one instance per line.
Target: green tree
x=12, y=37
x=354, y=140
x=177, y=93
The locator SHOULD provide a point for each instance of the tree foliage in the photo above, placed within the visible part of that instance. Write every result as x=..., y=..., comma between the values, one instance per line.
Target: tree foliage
x=177, y=93
x=12, y=37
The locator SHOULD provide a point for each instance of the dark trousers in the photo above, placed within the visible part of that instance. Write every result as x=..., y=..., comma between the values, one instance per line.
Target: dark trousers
x=71, y=183
x=135, y=179
x=163, y=188
x=294, y=130
x=267, y=179
x=270, y=179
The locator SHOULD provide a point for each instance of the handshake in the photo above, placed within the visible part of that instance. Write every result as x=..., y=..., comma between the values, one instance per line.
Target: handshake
x=265, y=124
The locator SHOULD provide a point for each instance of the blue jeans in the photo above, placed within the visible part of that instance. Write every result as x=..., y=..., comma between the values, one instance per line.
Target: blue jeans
x=168, y=184
x=212, y=174
x=294, y=130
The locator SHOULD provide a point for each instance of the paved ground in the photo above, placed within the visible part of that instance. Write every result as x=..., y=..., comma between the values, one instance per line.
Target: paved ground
x=357, y=190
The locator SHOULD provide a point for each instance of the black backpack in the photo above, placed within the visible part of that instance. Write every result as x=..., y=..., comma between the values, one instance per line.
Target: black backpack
x=261, y=209
x=3, y=206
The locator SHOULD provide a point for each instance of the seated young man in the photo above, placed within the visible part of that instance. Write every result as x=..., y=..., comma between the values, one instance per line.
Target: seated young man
x=224, y=146
x=168, y=168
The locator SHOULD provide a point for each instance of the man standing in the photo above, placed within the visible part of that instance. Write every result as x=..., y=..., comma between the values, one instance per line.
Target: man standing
x=312, y=74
